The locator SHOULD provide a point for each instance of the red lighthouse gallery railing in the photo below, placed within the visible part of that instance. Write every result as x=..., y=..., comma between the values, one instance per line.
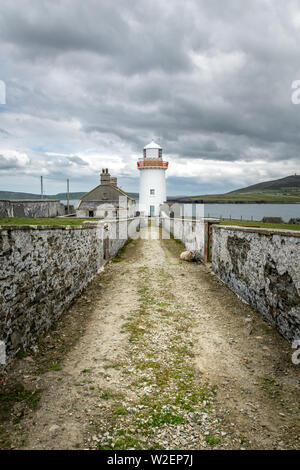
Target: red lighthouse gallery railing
x=156, y=163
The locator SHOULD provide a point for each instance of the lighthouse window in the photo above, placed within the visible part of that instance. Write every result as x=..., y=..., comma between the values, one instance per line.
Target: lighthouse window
x=152, y=192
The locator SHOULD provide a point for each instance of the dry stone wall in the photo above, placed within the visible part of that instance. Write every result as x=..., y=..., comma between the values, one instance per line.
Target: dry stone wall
x=43, y=268
x=263, y=267
x=193, y=234
x=31, y=208
x=190, y=233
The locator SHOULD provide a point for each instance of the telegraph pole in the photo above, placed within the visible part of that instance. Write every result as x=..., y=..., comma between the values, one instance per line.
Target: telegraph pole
x=68, y=197
x=42, y=189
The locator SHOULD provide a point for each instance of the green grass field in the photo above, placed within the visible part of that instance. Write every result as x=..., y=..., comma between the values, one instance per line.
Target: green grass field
x=73, y=221
x=41, y=221
x=291, y=195
x=252, y=223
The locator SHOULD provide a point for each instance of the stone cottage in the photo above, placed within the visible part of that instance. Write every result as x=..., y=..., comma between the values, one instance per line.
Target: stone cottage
x=106, y=200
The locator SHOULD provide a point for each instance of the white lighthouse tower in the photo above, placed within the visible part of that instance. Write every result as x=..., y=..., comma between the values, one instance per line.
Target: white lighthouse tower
x=152, y=179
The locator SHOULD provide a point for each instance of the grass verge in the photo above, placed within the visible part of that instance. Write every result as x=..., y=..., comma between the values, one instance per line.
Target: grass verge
x=252, y=223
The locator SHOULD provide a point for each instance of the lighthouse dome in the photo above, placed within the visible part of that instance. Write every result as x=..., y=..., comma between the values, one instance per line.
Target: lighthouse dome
x=152, y=145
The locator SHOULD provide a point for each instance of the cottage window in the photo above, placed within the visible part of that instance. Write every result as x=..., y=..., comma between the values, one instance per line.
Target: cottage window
x=152, y=192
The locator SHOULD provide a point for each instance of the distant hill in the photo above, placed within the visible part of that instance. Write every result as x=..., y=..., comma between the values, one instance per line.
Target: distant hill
x=289, y=182
x=134, y=195
x=64, y=196
x=283, y=190
x=61, y=196
x=16, y=195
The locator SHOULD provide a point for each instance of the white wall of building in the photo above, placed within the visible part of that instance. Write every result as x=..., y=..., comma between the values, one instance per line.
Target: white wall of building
x=152, y=178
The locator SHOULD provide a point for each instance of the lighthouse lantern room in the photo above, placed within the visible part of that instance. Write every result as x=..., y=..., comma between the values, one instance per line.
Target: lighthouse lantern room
x=152, y=180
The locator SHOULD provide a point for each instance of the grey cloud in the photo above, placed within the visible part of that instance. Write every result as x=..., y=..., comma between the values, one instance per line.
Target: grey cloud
x=66, y=161
x=211, y=80
x=4, y=133
x=10, y=163
x=135, y=40
x=79, y=161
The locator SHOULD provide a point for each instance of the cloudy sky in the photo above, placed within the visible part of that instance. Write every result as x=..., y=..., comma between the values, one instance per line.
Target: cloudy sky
x=89, y=83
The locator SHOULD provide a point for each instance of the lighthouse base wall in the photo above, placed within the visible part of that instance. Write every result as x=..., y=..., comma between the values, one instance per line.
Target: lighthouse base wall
x=152, y=190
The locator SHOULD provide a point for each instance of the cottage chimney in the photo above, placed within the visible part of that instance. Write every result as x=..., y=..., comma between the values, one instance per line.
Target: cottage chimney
x=105, y=177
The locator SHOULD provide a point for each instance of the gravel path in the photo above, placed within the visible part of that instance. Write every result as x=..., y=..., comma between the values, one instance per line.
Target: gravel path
x=158, y=354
